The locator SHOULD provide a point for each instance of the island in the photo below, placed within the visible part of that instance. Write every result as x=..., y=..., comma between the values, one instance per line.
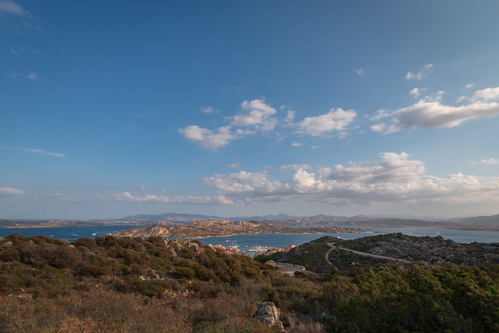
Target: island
x=23, y=224
x=213, y=228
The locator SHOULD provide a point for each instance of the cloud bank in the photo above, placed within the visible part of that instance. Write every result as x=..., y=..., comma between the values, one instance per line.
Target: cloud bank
x=431, y=113
x=7, y=191
x=394, y=179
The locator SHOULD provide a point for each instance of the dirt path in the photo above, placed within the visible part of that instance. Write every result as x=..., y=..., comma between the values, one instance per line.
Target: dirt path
x=364, y=254
x=327, y=254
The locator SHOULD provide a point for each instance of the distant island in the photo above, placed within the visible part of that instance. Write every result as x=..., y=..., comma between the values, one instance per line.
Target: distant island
x=477, y=223
x=62, y=223
x=213, y=228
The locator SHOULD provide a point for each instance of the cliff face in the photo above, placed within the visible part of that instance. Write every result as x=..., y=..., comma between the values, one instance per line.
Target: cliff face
x=212, y=228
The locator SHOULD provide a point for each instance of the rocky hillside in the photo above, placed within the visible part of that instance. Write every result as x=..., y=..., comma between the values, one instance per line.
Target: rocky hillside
x=318, y=256
x=361, y=221
x=212, y=228
x=426, y=250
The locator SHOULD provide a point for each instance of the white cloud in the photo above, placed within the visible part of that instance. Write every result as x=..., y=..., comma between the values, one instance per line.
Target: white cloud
x=342, y=135
x=126, y=196
x=280, y=139
x=333, y=120
x=257, y=117
x=394, y=179
x=14, y=75
x=490, y=161
x=393, y=168
x=468, y=86
x=461, y=98
x=360, y=72
x=489, y=94
x=420, y=75
x=10, y=191
x=268, y=167
x=379, y=127
x=315, y=147
x=296, y=144
x=209, y=110
x=147, y=198
x=290, y=116
x=208, y=139
x=432, y=114
x=32, y=76
x=234, y=165
x=242, y=182
x=33, y=150
x=14, y=52
x=380, y=114
x=436, y=97
x=7, y=6
x=296, y=167
x=143, y=187
x=259, y=113
x=416, y=92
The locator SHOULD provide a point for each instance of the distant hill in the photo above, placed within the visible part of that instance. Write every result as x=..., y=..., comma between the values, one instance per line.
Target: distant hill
x=319, y=256
x=170, y=217
x=259, y=218
x=183, y=218
x=490, y=223
x=213, y=228
x=479, y=220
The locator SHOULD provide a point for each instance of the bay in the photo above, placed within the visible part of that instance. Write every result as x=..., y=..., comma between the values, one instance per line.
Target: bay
x=245, y=242
x=67, y=233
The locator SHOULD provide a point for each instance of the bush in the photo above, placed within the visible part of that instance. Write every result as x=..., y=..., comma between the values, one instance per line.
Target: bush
x=184, y=272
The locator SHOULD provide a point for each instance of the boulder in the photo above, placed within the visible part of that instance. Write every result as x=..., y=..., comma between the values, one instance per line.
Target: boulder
x=195, y=247
x=7, y=244
x=268, y=314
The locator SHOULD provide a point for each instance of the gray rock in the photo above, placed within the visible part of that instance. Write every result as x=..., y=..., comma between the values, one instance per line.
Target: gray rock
x=7, y=244
x=195, y=247
x=268, y=314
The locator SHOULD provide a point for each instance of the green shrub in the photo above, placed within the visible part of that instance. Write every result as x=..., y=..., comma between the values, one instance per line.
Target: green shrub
x=184, y=272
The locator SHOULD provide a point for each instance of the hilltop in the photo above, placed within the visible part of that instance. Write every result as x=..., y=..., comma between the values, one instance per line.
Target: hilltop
x=213, y=228
x=330, y=253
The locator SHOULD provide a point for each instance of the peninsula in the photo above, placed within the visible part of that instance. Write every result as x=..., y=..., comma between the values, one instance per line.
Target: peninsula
x=213, y=228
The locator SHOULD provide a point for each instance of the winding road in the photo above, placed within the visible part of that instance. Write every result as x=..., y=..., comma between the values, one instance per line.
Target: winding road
x=362, y=254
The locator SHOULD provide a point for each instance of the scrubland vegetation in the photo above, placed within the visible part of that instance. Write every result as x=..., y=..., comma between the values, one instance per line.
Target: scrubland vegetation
x=144, y=285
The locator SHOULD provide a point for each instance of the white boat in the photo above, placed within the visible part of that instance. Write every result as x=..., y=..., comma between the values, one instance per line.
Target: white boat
x=257, y=248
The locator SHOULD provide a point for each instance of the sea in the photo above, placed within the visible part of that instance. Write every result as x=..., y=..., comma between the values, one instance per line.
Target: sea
x=246, y=242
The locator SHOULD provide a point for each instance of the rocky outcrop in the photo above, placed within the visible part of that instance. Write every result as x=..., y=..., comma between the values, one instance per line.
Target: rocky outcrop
x=269, y=315
x=427, y=250
x=175, y=246
x=213, y=228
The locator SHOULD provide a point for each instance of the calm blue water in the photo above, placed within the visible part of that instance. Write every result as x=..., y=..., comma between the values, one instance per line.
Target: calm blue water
x=274, y=240
x=66, y=232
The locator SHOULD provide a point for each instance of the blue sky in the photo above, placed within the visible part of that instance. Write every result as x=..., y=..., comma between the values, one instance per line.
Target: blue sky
x=113, y=108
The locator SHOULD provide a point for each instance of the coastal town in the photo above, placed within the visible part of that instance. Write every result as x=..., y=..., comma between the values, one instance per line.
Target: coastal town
x=256, y=250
